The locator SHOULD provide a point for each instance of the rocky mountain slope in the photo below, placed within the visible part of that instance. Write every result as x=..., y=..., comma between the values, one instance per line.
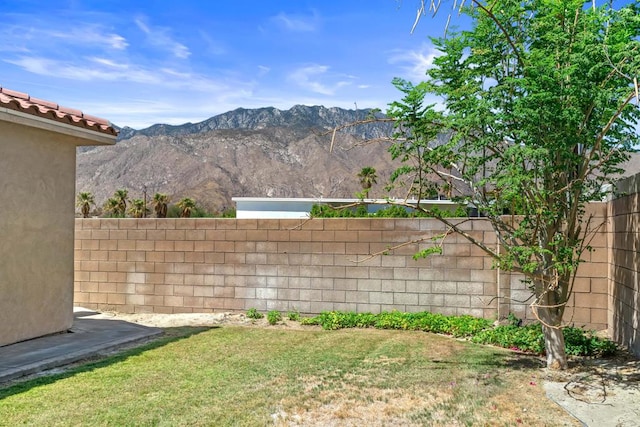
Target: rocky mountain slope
x=262, y=152
x=252, y=153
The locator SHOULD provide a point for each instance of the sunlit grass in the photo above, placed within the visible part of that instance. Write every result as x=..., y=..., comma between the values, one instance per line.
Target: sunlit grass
x=238, y=376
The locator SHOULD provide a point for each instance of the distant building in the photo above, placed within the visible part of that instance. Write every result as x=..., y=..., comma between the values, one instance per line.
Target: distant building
x=282, y=208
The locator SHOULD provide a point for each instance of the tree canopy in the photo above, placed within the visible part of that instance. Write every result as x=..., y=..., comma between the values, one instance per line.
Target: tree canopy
x=539, y=111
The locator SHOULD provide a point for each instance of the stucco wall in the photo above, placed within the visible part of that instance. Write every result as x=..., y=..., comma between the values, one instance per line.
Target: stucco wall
x=37, y=181
x=624, y=241
x=199, y=265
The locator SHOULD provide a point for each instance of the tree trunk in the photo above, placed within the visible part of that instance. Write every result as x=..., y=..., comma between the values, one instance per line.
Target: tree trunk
x=553, y=337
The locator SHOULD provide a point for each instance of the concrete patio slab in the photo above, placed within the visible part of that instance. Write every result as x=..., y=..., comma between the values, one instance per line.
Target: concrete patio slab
x=90, y=335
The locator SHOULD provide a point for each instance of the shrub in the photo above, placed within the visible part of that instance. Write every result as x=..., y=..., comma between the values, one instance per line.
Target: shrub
x=252, y=313
x=294, y=315
x=274, y=317
x=527, y=338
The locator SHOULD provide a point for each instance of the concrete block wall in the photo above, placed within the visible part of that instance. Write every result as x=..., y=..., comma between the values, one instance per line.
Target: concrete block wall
x=624, y=244
x=199, y=265
x=587, y=307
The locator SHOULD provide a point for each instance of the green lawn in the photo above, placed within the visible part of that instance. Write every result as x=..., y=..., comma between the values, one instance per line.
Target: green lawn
x=244, y=376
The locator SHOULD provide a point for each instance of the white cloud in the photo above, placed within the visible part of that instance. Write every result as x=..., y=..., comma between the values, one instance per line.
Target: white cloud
x=308, y=78
x=262, y=70
x=85, y=72
x=414, y=63
x=108, y=63
x=296, y=23
x=159, y=37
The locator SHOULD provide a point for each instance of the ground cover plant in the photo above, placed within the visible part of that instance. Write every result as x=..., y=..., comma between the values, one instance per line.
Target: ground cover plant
x=248, y=376
x=515, y=336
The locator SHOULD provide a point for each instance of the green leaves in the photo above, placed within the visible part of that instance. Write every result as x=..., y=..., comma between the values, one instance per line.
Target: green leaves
x=538, y=116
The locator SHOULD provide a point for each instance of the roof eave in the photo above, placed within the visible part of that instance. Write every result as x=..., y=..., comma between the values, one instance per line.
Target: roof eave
x=90, y=136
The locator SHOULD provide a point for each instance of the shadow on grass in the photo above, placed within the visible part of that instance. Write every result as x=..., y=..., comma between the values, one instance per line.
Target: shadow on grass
x=170, y=335
x=485, y=357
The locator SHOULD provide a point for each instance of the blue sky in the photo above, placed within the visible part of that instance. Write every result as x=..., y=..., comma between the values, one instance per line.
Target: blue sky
x=142, y=62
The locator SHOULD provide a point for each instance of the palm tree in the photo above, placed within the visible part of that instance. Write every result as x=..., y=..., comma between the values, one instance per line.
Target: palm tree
x=186, y=206
x=367, y=177
x=160, y=202
x=138, y=208
x=122, y=196
x=112, y=207
x=84, y=201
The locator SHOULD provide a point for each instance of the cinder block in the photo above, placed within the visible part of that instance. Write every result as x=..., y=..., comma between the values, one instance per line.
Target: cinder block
x=203, y=269
x=136, y=234
x=457, y=274
x=433, y=300
x=117, y=276
x=223, y=292
x=333, y=296
x=381, y=297
x=225, y=246
x=310, y=295
x=361, y=297
x=175, y=235
x=345, y=284
x=164, y=245
x=444, y=287
x=381, y=273
x=154, y=257
x=194, y=279
x=418, y=286
x=470, y=288
x=194, y=302
x=98, y=276
x=406, y=273
x=265, y=293
x=245, y=292
x=345, y=306
x=289, y=294
x=330, y=271
x=161, y=289
x=99, y=255
x=194, y=257
x=300, y=282
x=368, y=308
x=175, y=257
x=203, y=291
x=325, y=283
x=116, y=299
x=145, y=289
x=405, y=298
x=135, y=256
x=374, y=285
x=108, y=245
x=144, y=267
x=235, y=235
x=107, y=288
x=316, y=307
x=197, y=234
x=431, y=274
x=183, y=268
x=135, y=299
x=203, y=246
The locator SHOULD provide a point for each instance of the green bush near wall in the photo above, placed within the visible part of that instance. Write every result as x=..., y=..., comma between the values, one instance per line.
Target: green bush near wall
x=528, y=338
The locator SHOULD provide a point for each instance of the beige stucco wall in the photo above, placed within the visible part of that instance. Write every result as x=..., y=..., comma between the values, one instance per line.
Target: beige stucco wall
x=37, y=192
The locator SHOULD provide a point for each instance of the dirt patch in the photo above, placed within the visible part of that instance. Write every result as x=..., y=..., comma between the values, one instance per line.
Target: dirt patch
x=160, y=320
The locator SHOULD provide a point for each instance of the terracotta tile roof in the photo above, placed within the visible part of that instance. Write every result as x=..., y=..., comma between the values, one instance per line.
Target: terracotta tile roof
x=50, y=110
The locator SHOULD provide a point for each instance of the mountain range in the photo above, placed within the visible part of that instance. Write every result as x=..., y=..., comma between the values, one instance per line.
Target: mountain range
x=262, y=152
